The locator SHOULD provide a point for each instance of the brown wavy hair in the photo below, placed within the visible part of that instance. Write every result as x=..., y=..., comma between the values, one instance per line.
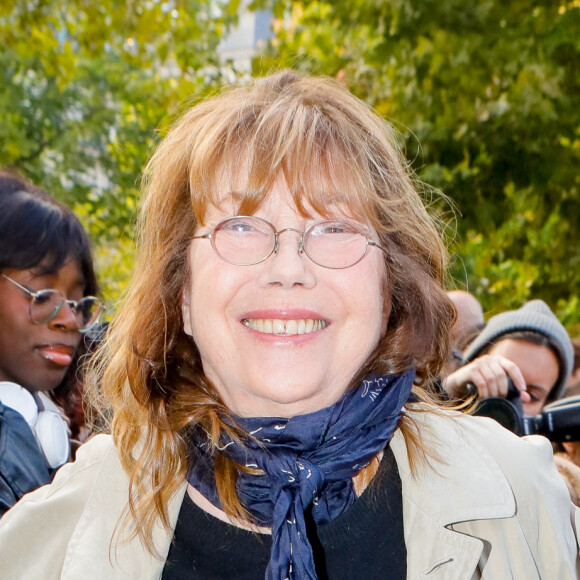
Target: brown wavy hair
x=328, y=145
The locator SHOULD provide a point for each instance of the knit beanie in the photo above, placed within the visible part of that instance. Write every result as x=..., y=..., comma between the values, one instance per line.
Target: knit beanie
x=534, y=316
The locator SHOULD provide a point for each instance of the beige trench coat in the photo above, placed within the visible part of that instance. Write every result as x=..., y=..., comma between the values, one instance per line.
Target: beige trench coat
x=493, y=507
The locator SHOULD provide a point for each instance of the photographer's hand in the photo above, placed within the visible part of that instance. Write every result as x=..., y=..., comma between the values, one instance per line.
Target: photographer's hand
x=489, y=373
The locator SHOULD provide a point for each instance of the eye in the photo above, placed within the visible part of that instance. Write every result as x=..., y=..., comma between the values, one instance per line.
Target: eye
x=43, y=297
x=241, y=227
x=333, y=229
x=244, y=227
x=336, y=228
x=536, y=394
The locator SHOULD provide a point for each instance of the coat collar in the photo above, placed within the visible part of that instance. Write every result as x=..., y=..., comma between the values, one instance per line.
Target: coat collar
x=464, y=483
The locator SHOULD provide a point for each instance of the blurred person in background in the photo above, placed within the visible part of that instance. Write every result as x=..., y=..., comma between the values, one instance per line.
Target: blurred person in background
x=528, y=345
x=469, y=321
x=574, y=380
x=532, y=348
x=468, y=324
x=47, y=288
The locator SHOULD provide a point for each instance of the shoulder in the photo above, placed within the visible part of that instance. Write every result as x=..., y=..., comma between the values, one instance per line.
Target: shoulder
x=48, y=516
x=483, y=471
x=72, y=482
x=455, y=436
x=481, y=481
x=484, y=464
x=89, y=460
x=71, y=479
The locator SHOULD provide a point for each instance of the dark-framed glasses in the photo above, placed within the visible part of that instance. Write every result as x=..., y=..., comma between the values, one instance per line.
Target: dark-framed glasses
x=46, y=304
x=247, y=240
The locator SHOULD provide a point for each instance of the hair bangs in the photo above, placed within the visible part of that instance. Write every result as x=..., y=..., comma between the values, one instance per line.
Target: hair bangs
x=326, y=170
x=38, y=232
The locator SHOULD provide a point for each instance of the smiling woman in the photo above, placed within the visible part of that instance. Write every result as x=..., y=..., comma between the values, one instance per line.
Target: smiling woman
x=242, y=323
x=46, y=273
x=269, y=375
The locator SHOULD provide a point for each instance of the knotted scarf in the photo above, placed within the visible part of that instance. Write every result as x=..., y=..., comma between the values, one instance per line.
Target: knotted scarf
x=307, y=460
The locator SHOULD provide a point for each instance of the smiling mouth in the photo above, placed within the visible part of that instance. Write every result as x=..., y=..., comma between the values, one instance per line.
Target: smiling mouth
x=285, y=327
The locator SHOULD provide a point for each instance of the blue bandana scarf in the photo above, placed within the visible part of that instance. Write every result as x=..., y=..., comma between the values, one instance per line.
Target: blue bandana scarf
x=307, y=460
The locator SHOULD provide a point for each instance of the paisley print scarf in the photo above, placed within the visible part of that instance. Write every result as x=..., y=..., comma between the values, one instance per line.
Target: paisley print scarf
x=307, y=460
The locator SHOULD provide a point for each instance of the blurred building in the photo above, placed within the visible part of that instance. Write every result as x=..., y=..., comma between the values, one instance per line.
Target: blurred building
x=243, y=42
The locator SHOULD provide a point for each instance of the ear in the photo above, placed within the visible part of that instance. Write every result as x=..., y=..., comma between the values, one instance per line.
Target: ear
x=186, y=312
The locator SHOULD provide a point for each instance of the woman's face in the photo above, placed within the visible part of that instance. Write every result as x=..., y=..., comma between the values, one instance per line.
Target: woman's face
x=36, y=356
x=539, y=366
x=262, y=374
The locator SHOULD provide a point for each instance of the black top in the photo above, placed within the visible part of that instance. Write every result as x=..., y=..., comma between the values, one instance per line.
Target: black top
x=364, y=542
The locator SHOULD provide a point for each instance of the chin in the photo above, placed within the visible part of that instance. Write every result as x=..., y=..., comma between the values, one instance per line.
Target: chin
x=286, y=400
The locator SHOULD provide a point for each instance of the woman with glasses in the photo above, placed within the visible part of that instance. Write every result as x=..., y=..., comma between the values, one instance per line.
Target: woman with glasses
x=269, y=377
x=47, y=283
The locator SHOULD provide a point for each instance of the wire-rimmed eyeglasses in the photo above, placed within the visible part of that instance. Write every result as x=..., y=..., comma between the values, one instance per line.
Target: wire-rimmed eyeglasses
x=248, y=240
x=46, y=304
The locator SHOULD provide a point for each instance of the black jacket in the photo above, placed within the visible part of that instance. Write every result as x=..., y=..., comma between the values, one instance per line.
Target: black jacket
x=23, y=466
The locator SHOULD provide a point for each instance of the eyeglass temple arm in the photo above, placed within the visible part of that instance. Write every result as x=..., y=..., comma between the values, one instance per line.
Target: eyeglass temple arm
x=32, y=294
x=23, y=288
x=376, y=245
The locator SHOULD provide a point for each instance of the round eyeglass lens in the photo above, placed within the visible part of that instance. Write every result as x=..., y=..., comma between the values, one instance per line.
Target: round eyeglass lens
x=47, y=304
x=88, y=312
x=335, y=244
x=244, y=240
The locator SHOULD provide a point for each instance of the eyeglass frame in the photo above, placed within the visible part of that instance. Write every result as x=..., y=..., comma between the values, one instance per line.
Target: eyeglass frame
x=276, y=246
x=72, y=304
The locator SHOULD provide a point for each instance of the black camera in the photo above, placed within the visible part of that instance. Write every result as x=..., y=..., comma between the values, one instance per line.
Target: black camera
x=558, y=421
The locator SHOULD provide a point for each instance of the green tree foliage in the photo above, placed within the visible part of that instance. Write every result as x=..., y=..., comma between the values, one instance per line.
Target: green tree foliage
x=486, y=94
x=83, y=88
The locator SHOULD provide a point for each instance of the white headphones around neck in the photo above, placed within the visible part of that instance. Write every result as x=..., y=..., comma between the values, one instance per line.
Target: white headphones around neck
x=43, y=418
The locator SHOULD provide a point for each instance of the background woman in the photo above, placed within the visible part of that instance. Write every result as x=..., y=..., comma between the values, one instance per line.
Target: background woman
x=46, y=286
x=287, y=299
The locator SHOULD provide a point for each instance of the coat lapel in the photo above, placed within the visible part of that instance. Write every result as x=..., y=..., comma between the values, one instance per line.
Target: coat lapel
x=464, y=483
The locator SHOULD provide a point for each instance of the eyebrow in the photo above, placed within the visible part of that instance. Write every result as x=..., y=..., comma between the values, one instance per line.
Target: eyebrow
x=78, y=282
x=539, y=387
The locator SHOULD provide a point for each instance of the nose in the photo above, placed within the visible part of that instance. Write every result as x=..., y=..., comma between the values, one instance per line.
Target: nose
x=288, y=266
x=65, y=320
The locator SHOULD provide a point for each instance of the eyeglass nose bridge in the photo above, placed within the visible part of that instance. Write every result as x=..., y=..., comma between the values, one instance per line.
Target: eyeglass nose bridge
x=74, y=306
x=300, y=241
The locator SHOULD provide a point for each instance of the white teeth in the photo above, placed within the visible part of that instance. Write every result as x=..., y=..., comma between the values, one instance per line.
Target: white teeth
x=285, y=327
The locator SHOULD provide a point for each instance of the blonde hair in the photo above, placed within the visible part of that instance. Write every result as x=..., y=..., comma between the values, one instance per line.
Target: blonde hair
x=331, y=149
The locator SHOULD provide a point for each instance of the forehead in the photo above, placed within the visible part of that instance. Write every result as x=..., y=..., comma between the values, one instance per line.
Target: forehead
x=69, y=274
x=235, y=189
x=538, y=363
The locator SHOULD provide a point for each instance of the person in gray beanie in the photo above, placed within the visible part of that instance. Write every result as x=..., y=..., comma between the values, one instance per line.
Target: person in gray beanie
x=528, y=345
